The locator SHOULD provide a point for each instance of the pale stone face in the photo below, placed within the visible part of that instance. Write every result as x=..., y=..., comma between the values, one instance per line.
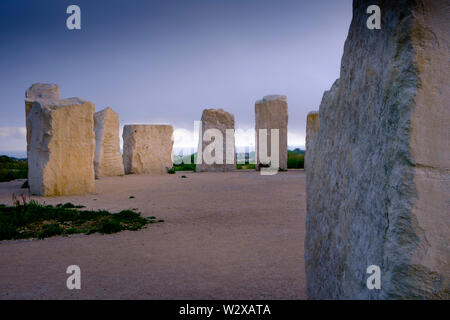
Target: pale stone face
x=147, y=148
x=272, y=113
x=220, y=120
x=108, y=159
x=36, y=92
x=378, y=183
x=61, y=157
x=312, y=129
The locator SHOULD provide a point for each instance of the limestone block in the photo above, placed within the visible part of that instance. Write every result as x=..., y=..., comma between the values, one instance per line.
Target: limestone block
x=61, y=157
x=220, y=120
x=108, y=159
x=312, y=129
x=147, y=148
x=35, y=92
x=378, y=183
x=272, y=113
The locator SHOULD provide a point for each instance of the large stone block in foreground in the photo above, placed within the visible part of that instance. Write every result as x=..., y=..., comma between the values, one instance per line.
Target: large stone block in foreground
x=272, y=113
x=61, y=156
x=378, y=186
x=108, y=159
x=38, y=91
x=220, y=120
x=147, y=148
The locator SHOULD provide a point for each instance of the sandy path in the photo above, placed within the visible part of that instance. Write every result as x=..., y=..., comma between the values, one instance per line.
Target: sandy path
x=232, y=235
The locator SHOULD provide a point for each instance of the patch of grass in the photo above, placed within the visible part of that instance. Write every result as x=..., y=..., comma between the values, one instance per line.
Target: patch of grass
x=33, y=220
x=170, y=171
x=248, y=166
x=295, y=160
x=185, y=163
x=69, y=205
x=50, y=230
x=110, y=226
x=184, y=167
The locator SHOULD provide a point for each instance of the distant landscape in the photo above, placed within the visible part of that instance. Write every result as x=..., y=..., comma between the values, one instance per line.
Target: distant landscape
x=12, y=168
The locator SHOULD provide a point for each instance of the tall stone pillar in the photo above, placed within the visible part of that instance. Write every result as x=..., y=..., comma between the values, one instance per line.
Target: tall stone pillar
x=271, y=113
x=108, y=159
x=218, y=121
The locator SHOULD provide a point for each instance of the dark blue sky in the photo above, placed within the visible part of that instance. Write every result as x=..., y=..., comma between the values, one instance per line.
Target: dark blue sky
x=165, y=61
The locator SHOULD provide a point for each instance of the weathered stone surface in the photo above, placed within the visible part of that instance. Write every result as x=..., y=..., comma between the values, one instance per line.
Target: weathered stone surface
x=38, y=91
x=379, y=181
x=272, y=113
x=312, y=129
x=147, y=148
x=108, y=159
x=61, y=157
x=220, y=120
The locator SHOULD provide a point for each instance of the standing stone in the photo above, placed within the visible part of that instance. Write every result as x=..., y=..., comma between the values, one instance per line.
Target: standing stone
x=272, y=113
x=379, y=181
x=220, y=120
x=108, y=159
x=61, y=157
x=147, y=148
x=312, y=129
x=38, y=91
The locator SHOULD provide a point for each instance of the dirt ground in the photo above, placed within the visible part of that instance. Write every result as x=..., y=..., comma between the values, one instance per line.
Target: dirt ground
x=236, y=235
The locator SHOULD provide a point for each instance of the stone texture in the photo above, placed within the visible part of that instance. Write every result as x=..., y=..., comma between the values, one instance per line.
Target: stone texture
x=61, y=156
x=108, y=159
x=312, y=129
x=147, y=148
x=272, y=113
x=379, y=182
x=220, y=120
x=38, y=91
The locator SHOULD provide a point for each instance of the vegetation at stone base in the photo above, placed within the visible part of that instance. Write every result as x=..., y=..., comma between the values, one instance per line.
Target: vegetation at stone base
x=34, y=220
x=170, y=170
x=69, y=205
x=240, y=166
x=184, y=167
x=12, y=168
x=244, y=159
x=184, y=163
x=296, y=159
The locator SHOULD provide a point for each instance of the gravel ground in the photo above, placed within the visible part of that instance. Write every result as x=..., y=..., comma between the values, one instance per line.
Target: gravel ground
x=236, y=235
